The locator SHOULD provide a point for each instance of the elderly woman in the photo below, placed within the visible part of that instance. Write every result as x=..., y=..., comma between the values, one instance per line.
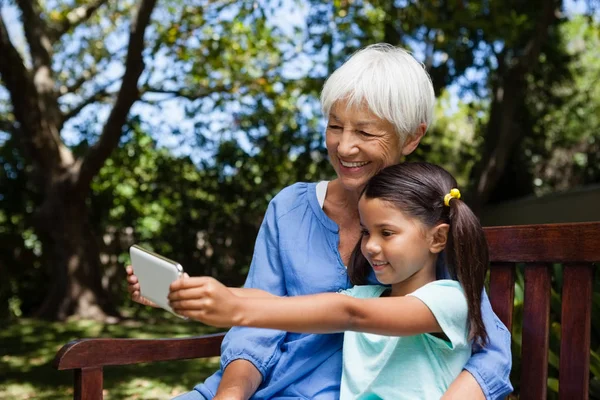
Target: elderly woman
x=379, y=105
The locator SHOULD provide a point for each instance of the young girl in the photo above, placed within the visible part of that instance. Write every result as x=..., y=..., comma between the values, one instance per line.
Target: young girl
x=408, y=339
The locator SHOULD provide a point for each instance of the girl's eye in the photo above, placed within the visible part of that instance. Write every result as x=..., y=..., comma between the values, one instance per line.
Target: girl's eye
x=387, y=233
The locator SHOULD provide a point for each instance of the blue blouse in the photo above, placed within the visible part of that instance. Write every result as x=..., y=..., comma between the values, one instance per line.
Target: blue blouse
x=296, y=253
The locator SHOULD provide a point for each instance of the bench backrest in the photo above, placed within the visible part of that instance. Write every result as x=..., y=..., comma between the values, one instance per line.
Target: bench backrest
x=576, y=247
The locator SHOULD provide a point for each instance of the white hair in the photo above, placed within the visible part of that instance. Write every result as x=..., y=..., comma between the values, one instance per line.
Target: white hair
x=390, y=81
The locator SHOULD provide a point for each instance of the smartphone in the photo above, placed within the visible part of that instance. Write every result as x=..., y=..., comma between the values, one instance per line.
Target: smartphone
x=155, y=274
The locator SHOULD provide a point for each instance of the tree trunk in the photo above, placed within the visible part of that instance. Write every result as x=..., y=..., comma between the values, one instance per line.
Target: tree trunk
x=502, y=134
x=75, y=286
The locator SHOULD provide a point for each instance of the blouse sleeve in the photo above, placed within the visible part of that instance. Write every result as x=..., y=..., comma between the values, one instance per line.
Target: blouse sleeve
x=491, y=365
x=260, y=346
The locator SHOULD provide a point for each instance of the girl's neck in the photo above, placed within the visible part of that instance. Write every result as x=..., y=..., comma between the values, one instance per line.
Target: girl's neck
x=422, y=277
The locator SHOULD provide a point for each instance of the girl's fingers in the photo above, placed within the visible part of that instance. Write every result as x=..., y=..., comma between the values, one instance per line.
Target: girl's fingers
x=129, y=269
x=189, y=282
x=187, y=305
x=193, y=293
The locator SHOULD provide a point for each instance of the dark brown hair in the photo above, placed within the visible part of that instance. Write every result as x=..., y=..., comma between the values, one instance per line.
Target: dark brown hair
x=418, y=190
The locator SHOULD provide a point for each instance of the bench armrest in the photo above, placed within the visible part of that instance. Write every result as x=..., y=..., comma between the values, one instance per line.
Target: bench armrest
x=93, y=353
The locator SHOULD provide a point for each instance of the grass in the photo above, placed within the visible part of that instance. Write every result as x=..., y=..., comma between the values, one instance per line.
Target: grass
x=28, y=346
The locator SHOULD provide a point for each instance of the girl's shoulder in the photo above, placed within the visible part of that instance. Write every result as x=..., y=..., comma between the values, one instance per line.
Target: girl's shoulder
x=448, y=284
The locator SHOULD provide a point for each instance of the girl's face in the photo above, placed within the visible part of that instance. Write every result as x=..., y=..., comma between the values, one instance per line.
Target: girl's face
x=360, y=144
x=401, y=250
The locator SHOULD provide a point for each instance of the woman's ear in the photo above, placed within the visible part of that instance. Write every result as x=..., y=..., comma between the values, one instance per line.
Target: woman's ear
x=439, y=238
x=413, y=141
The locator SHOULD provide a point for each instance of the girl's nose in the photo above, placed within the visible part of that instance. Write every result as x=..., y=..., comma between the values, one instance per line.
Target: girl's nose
x=372, y=247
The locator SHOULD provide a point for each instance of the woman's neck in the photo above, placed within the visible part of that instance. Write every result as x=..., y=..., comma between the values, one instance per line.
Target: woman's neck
x=343, y=197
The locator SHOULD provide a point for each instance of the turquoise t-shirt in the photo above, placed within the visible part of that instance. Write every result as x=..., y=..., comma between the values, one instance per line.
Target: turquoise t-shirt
x=410, y=367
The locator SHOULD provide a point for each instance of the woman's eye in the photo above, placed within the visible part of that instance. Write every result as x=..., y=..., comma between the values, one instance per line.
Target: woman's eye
x=365, y=133
x=334, y=127
x=364, y=232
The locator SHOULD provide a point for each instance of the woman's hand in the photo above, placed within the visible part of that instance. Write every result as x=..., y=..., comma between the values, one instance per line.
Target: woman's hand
x=133, y=287
x=206, y=300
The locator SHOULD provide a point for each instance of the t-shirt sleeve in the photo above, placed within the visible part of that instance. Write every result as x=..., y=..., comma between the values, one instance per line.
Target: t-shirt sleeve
x=447, y=302
x=364, y=291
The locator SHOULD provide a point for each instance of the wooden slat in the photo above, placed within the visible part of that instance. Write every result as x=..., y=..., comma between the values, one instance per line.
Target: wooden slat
x=88, y=384
x=574, y=366
x=545, y=243
x=87, y=353
x=536, y=329
x=502, y=291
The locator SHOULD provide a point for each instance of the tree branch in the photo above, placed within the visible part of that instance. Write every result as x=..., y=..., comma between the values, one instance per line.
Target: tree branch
x=186, y=94
x=43, y=145
x=76, y=17
x=36, y=33
x=40, y=48
x=13, y=71
x=127, y=95
x=97, y=96
x=533, y=48
x=7, y=126
x=85, y=76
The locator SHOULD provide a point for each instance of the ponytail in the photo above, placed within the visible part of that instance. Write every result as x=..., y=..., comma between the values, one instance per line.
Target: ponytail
x=468, y=261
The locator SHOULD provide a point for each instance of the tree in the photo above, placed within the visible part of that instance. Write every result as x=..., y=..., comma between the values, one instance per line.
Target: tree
x=62, y=177
x=488, y=49
x=219, y=62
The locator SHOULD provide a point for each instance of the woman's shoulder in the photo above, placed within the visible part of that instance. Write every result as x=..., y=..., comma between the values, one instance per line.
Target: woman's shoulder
x=292, y=197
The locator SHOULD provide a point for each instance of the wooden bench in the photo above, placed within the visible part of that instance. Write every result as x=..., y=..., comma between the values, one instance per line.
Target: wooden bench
x=576, y=246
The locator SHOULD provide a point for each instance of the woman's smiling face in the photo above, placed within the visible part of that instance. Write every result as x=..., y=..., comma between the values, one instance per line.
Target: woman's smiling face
x=360, y=144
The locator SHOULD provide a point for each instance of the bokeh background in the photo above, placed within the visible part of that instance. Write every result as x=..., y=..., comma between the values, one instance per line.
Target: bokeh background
x=172, y=123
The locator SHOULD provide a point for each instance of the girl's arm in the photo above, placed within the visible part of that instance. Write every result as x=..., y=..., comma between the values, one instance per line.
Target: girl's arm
x=208, y=301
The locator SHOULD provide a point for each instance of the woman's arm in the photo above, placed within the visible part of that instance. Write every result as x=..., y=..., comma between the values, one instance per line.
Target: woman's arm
x=250, y=292
x=489, y=366
x=208, y=301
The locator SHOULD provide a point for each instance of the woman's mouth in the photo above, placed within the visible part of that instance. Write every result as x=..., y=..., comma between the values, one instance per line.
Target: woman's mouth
x=353, y=166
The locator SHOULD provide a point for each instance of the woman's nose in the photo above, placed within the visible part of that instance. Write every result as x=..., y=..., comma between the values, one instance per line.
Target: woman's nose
x=347, y=146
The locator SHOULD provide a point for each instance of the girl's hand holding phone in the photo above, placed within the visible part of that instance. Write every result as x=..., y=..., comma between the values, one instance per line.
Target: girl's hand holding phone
x=206, y=300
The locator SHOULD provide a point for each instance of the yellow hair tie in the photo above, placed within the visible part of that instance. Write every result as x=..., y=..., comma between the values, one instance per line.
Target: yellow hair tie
x=454, y=194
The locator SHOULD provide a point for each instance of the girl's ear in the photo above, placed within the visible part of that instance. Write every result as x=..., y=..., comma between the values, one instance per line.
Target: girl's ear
x=439, y=238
